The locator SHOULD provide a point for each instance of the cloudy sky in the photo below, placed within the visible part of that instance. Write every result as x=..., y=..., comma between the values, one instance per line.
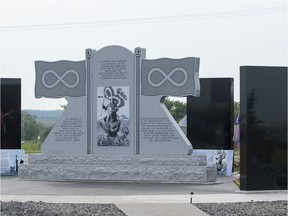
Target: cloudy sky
x=225, y=34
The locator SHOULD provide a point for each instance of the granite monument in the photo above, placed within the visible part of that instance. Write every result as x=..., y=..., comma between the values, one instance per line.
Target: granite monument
x=115, y=102
x=115, y=126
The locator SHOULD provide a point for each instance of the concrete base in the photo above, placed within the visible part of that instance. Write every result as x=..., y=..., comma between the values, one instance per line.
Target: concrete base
x=139, y=168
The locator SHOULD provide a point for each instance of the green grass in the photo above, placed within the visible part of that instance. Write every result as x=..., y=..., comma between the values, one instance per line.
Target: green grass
x=31, y=147
x=237, y=158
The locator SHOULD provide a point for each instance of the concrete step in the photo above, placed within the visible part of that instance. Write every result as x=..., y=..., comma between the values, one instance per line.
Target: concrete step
x=140, y=168
x=151, y=160
x=139, y=173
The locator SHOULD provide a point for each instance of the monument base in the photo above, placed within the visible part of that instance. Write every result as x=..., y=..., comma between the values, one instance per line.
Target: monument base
x=136, y=168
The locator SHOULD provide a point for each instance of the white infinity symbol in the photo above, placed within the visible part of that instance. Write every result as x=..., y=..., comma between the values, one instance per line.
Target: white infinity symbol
x=60, y=79
x=167, y=77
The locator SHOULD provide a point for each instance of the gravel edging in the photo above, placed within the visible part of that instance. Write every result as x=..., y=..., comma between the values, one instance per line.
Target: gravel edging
x=30, y=208
x=13, y=208
x=273, y=208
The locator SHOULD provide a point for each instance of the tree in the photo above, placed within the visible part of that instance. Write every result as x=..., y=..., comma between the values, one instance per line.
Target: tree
x=45, y=133
x=236, y=110
x=29, y=126
x=177, y=109
x=31, y=129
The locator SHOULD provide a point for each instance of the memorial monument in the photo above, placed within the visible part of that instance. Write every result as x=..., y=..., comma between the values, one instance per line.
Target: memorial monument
x=263, y=128
x=10, y=113
x=116, y=126
x=212, y=114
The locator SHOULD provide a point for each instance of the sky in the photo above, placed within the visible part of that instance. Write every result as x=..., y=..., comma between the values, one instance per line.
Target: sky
x=224, y=34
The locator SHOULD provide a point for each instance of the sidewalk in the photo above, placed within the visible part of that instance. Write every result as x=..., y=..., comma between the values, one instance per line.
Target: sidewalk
x=134, y=198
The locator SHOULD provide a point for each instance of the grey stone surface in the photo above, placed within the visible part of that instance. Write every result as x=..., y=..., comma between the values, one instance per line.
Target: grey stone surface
x=109, y=112
x=171, y=160
x=174, y=169
x=113, y=70
x=210, y=173
x=172, y=174
x=60, y=79
x=69, y=134
x=159, y=132
x=174, y=77
x=117, y=109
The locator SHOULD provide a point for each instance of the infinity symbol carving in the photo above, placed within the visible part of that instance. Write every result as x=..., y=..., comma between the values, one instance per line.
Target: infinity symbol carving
x=60, y=79
x=167, y=77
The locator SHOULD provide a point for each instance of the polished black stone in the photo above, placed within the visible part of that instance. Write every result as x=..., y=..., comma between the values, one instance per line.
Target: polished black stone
x=210, y=116
x=10, y=113
x=263, y=130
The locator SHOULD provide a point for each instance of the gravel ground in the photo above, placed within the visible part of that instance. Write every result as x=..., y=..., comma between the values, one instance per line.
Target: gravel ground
x=274, y=208
x=60, y=209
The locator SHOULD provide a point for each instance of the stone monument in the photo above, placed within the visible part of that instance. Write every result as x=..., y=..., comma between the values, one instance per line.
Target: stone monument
x=116, y=125
x=212, y=113
x=263, y=125
x=10, y=113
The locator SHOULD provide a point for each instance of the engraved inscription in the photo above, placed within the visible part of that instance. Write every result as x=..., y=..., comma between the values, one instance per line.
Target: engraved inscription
x=157, y=130
x=113, y=69
x=71, y=130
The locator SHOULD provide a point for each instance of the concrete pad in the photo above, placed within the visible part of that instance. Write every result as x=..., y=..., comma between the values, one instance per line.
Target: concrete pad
x=133, y=198
x=143, y=199
x=148, y=199
x=226, y=198
x=15, y=186
x=159, y=209
x=48, y=199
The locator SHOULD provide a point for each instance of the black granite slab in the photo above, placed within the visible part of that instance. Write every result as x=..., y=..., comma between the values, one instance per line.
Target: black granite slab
x=263, y=130
x=10, y=113
x=210, y=116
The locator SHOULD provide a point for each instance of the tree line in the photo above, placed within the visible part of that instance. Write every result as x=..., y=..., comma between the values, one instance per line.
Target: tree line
x=178, y=109
x=31, y=129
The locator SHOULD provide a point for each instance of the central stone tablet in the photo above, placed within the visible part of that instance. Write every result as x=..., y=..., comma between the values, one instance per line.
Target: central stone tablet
x=113, y=98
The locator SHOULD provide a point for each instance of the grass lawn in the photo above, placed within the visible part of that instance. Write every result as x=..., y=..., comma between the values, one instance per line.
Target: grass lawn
x=31, y=147
x=237, y=166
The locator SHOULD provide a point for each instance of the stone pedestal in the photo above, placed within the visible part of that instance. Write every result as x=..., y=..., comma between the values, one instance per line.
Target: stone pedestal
x=135, y=168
